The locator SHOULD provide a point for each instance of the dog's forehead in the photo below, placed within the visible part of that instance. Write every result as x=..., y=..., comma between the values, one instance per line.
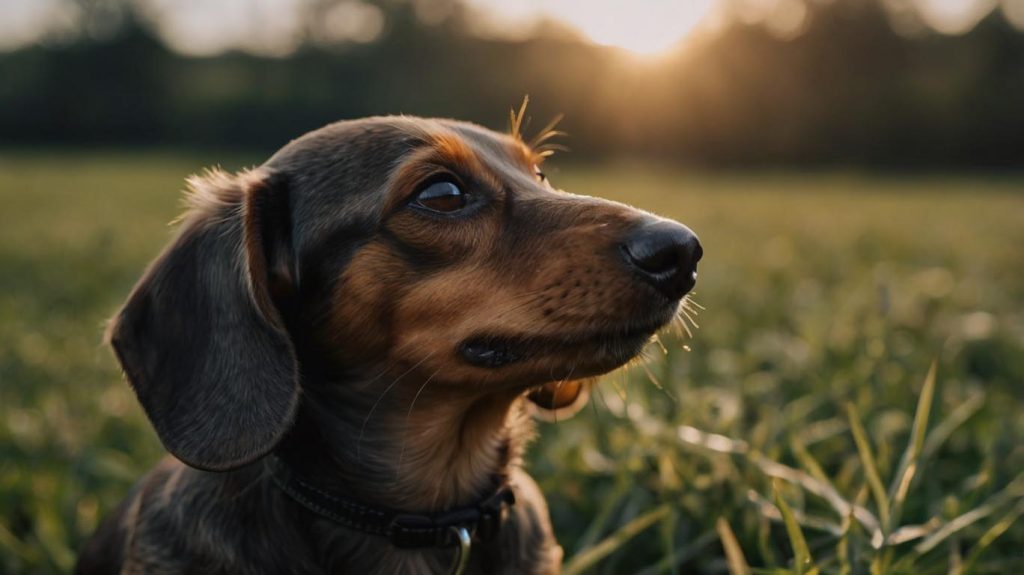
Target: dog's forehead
x=491, y=145
x=352, y=158
x=376, y=144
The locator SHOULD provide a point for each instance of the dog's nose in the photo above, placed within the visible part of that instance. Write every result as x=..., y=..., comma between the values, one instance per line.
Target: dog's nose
x=665, y=255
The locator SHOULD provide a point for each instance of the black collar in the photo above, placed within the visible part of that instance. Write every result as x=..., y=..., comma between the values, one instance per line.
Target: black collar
x=406, y=530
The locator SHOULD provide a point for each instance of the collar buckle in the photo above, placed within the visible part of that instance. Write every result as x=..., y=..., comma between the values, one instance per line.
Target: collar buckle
x=408, y=530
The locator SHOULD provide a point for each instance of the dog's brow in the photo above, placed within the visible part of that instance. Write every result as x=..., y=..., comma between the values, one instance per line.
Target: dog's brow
x=525, y=154
x=454, y=150
x=441, y=149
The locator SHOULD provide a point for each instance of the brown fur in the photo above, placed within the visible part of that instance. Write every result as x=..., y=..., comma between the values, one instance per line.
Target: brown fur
x=309, y=308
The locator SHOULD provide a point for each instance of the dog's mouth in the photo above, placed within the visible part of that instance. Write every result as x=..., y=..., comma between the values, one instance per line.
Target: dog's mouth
x=587, y=352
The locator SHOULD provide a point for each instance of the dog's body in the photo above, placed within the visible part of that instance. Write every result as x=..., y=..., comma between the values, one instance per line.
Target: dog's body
x=369, y=309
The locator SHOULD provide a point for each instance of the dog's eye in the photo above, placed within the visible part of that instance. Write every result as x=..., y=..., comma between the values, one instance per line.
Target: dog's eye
x=540, y=175
x=443, y=196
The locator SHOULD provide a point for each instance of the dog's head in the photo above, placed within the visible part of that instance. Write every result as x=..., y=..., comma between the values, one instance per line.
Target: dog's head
x=387, y=246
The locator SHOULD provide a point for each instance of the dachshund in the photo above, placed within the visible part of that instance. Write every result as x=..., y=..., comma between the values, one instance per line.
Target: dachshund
x=341, y=348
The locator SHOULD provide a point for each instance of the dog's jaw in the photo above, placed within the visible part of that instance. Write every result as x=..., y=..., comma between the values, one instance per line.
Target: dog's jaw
x=408, y=447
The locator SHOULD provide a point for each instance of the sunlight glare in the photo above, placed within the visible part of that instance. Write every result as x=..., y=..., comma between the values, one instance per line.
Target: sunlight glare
x=648, y=27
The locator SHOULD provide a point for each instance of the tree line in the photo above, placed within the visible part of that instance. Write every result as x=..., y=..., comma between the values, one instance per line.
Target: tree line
x=849, y=90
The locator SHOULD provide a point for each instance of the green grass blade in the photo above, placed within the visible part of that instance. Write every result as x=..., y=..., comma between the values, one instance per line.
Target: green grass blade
x=681, y=555
x=15, y=546
x=799, y=449
x=843, y=546
x=907, y=533
x=824, y=488
x=801, y=553
x=601, y=519
x=587, y=558
x=993, y=533
x=733, y=553
x=770, y=511
x=668, y=536
x=900, y=485
x=766, y=546
x=951, y=423
x=867, y=458
x=1014, y=490
x=820, y=488
x=955, y=563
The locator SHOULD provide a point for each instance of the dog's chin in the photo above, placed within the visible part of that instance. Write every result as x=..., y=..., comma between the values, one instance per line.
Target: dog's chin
x=538, y=359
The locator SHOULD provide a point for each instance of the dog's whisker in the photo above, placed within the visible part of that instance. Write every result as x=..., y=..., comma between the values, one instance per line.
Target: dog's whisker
x=691, y=305
x=366, y=420
x=621, y=391
x=548, y=131
x=656, y=339
x=673, y=326
x=690, y=309
x=686, y=328
x=567, y=377
x=383, y=371
x=650, y=376
x=656, y=382
x=406, y=349
x=405, y=431
x=549, y=149
x=600, y=395
x=559, y=385
x=690, y=317
x=600, y=416
x=689, y=301
x=515, y=120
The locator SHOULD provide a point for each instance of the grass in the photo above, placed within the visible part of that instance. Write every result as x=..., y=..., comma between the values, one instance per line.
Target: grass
x=851, y=404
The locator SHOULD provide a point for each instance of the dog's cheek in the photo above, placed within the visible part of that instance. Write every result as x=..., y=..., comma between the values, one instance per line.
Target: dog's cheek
x=361, y=320
x=435, y=245
x=438, y=311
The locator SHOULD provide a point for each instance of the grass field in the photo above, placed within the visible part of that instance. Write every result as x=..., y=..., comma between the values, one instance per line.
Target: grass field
x=827, y=296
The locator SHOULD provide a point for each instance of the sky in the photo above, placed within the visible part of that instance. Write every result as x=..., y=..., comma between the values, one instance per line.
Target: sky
x=644, y=27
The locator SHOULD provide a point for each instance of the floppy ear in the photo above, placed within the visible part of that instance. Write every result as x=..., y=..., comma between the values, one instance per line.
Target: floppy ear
x=200, y=339
x=560, y=399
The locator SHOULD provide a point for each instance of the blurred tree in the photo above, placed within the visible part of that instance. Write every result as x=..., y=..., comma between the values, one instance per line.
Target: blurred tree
x=847, y=89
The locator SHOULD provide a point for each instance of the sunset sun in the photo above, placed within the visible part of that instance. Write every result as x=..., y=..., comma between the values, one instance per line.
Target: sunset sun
x=648, y=28
x=644, y=28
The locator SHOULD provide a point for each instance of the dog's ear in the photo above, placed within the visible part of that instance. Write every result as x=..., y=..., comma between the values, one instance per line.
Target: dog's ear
x=561, y=399
x=200, y=339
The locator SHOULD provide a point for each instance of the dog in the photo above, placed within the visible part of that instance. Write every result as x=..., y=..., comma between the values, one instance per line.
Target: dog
x=341, y=348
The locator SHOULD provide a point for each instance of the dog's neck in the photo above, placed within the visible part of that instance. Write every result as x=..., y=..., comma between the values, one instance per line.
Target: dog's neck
x=415, y=447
